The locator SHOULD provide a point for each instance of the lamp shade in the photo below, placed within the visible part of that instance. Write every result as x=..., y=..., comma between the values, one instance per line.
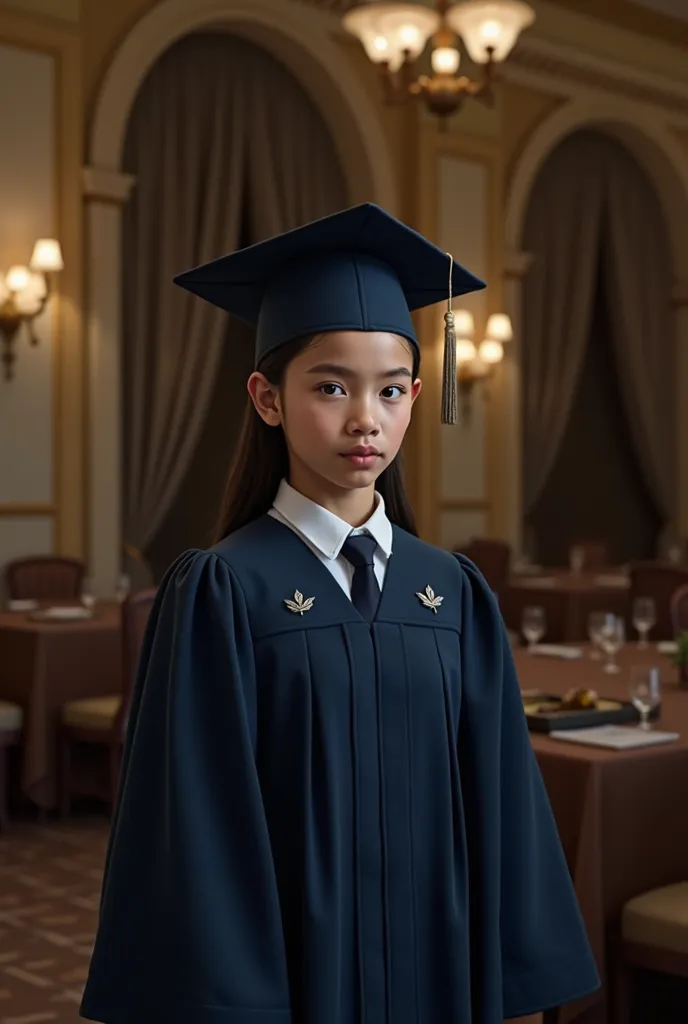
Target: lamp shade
x=463, y=323
x=486, y=25
x=387, y=30
x=47, y=255
x=499, y=327
x=491, y=351
x=465, y=350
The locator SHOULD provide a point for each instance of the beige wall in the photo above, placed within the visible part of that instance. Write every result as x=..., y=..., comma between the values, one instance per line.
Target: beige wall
x=41, y=421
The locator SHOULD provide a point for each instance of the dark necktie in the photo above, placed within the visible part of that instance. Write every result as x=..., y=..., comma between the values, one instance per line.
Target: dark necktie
x=365, y=591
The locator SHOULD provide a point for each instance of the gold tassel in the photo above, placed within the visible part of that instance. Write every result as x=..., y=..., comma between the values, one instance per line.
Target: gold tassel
x=449, y=401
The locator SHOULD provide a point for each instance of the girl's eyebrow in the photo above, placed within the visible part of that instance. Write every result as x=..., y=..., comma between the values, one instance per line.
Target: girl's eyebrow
x=342, y=371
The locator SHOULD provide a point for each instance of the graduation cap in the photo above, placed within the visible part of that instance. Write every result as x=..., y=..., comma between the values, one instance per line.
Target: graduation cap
x=360, y=269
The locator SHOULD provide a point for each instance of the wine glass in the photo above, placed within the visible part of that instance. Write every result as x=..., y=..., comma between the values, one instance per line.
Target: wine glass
x=644, y=691
x=576, y=558
x=88, y=597
x=596, y=622
x=612, y=639
x=533, y=625
x=123, y=587
x=644, y=617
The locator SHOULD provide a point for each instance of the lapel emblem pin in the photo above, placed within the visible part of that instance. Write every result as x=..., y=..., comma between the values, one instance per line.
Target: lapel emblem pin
x=300, y=604
x=429, y=599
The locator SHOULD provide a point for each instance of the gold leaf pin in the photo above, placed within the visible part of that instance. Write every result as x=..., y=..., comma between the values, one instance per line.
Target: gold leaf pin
x=429, y=599
x=300, y=604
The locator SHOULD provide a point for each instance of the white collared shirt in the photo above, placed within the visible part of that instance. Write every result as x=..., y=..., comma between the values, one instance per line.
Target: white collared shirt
x=325, y=533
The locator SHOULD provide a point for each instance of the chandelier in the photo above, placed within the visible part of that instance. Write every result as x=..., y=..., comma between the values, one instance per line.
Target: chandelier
x=395, y=35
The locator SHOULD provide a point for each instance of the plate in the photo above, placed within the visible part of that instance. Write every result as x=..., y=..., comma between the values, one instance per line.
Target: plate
x=543, y=713
x=24, y=605
x=62, y=613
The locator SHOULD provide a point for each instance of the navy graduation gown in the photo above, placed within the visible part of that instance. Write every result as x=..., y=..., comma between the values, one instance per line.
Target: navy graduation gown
x=323, y=821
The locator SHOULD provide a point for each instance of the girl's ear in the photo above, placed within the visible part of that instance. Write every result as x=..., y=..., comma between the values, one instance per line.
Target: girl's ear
x=265, y=397
x=416, y=389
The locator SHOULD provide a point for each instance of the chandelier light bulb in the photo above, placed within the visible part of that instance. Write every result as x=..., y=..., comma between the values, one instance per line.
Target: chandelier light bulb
x=490, y=28
x=445, y=60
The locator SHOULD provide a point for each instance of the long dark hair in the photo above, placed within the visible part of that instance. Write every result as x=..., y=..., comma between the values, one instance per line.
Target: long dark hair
x=261, y=460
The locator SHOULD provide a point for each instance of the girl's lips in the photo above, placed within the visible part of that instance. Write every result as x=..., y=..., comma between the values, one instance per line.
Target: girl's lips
x=361, y=461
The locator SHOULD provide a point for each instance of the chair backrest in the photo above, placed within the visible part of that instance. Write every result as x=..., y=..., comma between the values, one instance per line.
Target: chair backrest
x=493, y=558
x=135, y=612
x=595, y=554
x=659, y=580
x=44, y=578
x=679, y=610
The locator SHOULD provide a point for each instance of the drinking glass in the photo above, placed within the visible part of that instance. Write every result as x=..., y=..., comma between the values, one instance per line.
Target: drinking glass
x=533, y=625
x=644, y=617
x=644, y=691
x=596, y=622
x=88, y=597
x=576, y=558
x=123, y=587
x=612, y=639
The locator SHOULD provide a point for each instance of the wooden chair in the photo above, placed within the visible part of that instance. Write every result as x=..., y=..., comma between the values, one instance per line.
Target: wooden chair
x=654, y=936
x=658, y=580
x=11, y=723
x=44, y=578
x=103, y=721
x=493, y=559
x=679, y=610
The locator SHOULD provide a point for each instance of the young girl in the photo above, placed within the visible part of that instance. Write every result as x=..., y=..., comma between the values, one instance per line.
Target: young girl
x=330, y=811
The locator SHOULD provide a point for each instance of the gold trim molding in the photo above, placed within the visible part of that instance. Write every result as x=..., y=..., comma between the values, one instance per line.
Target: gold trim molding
x=25, y=509
x=105, y=186
x=566, y=71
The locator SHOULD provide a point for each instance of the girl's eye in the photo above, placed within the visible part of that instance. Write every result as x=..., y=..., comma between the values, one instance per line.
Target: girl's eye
x=393, y=387
x=331, y=389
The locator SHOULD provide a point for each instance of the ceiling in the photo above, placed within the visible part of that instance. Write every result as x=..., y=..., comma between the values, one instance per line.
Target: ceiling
x=673, y=8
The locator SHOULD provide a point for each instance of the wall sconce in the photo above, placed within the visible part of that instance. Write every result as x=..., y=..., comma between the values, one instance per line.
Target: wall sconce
x=24, y=293
x=476, y=364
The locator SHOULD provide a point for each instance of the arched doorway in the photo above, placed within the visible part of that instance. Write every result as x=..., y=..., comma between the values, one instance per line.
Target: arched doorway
x=659, y=154
x=302, y=42
x=597, y=355
x=227, y=148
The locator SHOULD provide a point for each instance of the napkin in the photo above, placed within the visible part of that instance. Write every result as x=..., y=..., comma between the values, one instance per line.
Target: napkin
x=615, y=737
x=557, y=651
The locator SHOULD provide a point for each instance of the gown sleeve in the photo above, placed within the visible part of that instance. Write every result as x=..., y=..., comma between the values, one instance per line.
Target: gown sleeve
x=190, y=929
x=530, y=950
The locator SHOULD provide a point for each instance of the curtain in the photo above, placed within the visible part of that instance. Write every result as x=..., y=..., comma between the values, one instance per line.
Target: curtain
x=227, y=149
x=562, y=230
x=592, y=202
x=638, y=262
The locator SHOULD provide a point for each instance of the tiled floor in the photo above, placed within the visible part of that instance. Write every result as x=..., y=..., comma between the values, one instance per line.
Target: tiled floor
x=50, y=878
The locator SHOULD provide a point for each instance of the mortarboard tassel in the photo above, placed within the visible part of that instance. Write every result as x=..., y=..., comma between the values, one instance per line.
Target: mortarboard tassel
x=449, y=403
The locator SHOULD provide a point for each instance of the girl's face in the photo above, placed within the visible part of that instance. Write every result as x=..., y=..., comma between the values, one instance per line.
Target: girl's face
x=344, y=405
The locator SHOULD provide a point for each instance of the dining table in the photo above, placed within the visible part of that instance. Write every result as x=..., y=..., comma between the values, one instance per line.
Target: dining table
x=43, y=665
x=622, y=815
x=567, y=599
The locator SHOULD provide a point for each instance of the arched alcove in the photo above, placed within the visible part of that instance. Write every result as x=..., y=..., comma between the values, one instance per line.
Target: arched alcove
x=302, y=40
x=658, y=152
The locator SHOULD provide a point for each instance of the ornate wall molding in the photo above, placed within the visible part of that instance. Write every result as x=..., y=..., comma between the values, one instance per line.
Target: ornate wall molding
x=567, y=72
